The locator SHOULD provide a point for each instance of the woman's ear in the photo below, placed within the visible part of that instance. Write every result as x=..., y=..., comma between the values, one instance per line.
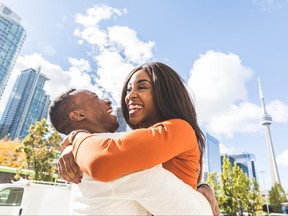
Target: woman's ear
x=77, y=116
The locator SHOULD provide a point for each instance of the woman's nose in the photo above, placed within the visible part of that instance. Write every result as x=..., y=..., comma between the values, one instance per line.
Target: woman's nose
x=132, y=94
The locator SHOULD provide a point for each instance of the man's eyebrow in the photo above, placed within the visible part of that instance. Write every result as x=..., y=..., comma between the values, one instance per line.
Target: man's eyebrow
x=93, y=95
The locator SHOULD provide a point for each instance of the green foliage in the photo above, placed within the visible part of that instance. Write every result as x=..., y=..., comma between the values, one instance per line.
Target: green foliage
x=237, y=194
x=256, y=201
x=276, y=197
x=227, y=200
x=40, y=147
x=212, y=180
x=241, y=186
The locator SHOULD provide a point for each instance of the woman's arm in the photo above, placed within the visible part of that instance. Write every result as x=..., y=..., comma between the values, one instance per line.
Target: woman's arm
x=106, y=159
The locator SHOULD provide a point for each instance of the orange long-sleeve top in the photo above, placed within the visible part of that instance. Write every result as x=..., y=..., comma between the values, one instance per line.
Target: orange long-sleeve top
x=172, y=143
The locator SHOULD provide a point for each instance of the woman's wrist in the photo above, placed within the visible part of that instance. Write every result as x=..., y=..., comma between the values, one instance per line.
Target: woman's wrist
x=70, y=138
x=203, y=184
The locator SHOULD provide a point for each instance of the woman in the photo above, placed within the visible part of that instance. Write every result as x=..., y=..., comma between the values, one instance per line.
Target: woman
x=156, y=103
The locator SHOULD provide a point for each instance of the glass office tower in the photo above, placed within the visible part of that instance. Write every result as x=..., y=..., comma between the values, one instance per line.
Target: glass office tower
x=212, y=157
x=12, y=36
x=27, y=104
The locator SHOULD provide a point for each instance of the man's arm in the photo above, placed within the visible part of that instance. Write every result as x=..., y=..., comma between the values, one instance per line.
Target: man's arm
x=161, y=193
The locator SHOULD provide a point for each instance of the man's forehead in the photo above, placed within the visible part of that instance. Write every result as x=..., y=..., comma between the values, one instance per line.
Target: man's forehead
x=82, y=92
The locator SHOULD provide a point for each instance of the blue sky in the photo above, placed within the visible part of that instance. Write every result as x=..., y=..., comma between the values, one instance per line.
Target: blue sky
x=219, y=47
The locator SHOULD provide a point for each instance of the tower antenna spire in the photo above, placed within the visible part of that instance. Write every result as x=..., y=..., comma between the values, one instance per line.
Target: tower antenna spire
x=266, y=121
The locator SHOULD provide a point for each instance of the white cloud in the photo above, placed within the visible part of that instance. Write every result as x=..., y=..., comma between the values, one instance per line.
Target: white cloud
x=227, y=150
x=135, y=50
x=278, y=110
x=98, y=13
x=218, y=82
x=282, y=158
x=81, y=64
x=115, y=49
x=242, y=118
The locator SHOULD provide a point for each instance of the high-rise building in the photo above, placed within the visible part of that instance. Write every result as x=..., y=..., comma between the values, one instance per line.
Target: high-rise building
x=27, y=104
x=212, y=157
x=246, y=162
x=12, y=36
x=122, y=124
x=266, y=121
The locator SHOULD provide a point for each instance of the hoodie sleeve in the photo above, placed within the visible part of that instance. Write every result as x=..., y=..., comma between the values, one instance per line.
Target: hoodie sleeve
x=106, y=159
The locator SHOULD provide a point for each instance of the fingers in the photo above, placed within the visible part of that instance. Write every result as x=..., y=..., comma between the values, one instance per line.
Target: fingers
x=68, y=168
x=210, y=196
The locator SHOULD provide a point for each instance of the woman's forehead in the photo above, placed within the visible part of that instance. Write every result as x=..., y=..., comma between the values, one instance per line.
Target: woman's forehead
x=139, y=75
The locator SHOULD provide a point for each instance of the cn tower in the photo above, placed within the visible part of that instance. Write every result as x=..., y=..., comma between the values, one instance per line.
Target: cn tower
x=266, y=121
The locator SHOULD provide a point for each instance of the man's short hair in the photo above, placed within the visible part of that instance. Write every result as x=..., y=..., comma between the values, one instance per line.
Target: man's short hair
x=59, y=112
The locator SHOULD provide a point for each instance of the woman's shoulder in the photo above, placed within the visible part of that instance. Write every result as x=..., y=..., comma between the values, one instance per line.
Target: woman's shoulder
x=175, y=123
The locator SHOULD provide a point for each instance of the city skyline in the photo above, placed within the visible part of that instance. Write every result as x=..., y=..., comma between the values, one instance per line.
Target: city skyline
x=219, y=48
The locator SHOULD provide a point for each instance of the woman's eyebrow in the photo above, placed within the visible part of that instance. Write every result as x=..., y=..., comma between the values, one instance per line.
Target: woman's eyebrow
x=143, y=80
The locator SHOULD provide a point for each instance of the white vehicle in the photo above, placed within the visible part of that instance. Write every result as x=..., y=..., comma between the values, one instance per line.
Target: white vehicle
x=34, y=198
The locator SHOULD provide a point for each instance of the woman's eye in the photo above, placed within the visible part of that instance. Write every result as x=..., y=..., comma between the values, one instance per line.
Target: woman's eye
x=142, y=87
x=128, y=90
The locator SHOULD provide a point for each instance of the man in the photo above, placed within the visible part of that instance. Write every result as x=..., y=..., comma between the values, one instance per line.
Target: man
x=154, y=188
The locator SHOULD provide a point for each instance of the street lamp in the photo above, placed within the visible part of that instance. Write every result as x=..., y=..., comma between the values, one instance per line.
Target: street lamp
x=263, y=172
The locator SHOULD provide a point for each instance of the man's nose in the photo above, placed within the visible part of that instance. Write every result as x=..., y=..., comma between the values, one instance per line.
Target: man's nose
x=108, y=102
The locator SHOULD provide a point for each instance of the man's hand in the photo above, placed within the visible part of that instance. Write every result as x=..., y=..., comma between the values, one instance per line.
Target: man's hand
x=68, y=168
x=210, y=196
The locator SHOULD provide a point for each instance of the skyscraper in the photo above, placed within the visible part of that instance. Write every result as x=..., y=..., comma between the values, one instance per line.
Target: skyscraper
x=27, y=104
x=266, y=121
x=12, y=36
x=246, y=162
x=122, y=124
x=212, y=158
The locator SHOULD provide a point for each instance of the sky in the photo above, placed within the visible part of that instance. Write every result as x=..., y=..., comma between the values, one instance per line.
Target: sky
x=219, y=48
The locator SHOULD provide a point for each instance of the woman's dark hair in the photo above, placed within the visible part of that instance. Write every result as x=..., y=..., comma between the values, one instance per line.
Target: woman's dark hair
x=171, y=98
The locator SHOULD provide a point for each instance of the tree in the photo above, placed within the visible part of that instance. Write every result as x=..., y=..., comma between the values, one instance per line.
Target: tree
x=212, y=180
x=256, y=201
x=228, y=202
x=241, y=186
x=276, y=197
x=40, y=147
x=9, y=156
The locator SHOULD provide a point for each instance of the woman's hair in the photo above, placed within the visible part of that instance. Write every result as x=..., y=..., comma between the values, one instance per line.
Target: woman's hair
x=171, y=99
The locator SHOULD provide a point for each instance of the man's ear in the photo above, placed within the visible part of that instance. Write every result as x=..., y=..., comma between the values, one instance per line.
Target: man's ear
x=77, y=116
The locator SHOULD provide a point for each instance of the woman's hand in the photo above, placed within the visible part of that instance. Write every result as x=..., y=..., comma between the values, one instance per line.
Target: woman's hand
x=210, y=196
x=67, y=167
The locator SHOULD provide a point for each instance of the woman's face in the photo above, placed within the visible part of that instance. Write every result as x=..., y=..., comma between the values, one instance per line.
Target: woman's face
x=139, y=100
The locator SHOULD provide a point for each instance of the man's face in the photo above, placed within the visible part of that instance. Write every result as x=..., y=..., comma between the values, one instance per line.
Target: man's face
x=96, y=112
